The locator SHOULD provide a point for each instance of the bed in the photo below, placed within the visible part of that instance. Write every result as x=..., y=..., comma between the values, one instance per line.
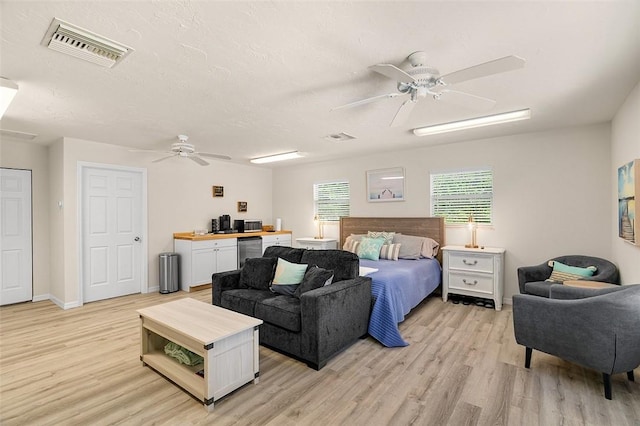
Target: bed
x=397, y=286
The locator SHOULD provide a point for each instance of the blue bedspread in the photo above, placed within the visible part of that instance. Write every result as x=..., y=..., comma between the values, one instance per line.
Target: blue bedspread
x=397, y=287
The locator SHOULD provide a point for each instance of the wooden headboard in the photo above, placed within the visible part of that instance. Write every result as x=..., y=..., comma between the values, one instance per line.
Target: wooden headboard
x=432, y=227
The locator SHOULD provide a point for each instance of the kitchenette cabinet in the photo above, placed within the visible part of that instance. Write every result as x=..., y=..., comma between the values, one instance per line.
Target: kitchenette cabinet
x=200, y=259
x=203, y=255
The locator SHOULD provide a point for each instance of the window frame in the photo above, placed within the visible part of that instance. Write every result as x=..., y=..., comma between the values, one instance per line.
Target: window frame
x=331, y=219
x=481, y=217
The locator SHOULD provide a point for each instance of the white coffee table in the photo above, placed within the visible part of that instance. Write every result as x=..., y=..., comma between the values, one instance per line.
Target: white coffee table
x=227, y=340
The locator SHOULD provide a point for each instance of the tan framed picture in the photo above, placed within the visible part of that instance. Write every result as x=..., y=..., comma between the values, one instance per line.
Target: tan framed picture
x=242, y=206
x=218, y=191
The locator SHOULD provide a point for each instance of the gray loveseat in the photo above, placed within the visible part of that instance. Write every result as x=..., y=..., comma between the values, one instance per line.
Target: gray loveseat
x=312, y=326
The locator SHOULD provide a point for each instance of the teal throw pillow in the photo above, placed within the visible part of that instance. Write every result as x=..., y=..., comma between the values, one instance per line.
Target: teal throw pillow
x=369, y=248
x=562, y=272
x=288, y=277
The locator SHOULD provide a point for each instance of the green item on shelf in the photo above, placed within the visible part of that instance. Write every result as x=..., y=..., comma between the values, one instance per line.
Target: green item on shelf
x=182, y=355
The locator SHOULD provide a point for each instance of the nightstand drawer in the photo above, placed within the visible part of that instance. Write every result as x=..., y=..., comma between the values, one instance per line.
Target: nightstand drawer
x=471, y=262
x=471, y=282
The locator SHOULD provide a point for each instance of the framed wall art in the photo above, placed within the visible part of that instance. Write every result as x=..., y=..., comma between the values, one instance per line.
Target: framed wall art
x=385, y=185
x=628, y=191
x=242, y=206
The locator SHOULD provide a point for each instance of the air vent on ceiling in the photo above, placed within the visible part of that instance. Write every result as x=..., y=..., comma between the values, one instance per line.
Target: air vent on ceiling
x=339, y=137
x=75, y=41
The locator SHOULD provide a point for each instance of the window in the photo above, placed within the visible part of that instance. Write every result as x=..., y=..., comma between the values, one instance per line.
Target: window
x=456, y=195
x=331, y=200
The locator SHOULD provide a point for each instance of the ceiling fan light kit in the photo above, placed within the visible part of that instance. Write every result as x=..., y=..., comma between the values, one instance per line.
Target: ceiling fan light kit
x=421, y=80
x=487, y=120
x=276, y=157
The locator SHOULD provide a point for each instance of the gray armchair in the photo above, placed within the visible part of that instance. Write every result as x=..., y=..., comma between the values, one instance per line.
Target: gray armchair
x=531, y=279
x=597, y=329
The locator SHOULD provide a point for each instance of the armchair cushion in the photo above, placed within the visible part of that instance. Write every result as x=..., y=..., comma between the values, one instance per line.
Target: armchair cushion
x=562, y=272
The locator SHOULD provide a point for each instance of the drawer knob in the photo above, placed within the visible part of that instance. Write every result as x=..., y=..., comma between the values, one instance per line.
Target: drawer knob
x=475, y=262
x=464, y=280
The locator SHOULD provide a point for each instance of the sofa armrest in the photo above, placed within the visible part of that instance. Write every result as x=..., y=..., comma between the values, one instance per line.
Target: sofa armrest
x=527, y=274
x=223, y=281
x=334, y=316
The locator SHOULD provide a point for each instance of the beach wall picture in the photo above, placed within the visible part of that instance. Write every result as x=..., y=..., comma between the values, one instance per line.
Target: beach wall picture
x=628, y=191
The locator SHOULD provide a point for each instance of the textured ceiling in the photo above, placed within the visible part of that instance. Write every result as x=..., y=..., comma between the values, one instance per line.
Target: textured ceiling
x=249, y=79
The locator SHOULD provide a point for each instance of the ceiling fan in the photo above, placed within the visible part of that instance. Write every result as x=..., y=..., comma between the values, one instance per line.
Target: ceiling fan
x=186, y=150
x=421, y=80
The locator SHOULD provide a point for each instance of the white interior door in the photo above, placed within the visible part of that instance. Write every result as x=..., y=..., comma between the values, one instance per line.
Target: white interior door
x=111, y=233
x=16, y=269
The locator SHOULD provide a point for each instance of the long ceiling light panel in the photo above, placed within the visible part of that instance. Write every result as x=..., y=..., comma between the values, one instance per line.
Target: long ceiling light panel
x=277, y=157
x=8, y=90
x=488, y=120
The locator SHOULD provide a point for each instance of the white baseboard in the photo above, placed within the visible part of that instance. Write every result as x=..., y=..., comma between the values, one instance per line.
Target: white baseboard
x=154, y=289
x=63, y=305
x=41, y=297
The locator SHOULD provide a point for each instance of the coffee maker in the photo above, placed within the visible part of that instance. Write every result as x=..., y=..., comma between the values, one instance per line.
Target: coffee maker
x=224, y=223
x=214, y=226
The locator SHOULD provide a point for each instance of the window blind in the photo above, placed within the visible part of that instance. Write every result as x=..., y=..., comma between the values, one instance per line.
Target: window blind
x=456, y=195
x=331, y=200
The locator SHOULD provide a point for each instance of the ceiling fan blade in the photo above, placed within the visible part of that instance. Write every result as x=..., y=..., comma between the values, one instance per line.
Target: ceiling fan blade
x=198, y=160
x=403, y=113
x=368, y=100
x=496, y=66
x=206, y=154
x=393, y=73
x=466, y=100
x=163, y=158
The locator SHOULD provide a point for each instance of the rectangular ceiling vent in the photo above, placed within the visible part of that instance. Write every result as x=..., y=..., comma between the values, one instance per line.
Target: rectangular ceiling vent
x=75, y=41
x=339, y=137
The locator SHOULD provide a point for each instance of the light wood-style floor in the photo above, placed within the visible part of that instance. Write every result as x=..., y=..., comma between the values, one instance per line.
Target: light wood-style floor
x=463, y=367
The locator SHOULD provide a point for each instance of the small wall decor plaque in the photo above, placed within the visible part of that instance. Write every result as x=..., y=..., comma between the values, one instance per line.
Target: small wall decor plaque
x=218, y=191
x=242, y=206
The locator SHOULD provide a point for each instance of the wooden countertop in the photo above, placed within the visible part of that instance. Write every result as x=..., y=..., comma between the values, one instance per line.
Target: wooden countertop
x=189, y=235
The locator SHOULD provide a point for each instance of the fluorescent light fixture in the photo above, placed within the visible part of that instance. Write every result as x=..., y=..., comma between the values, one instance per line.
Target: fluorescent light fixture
x=488, y=120
x=276, y=157
x=8, y=90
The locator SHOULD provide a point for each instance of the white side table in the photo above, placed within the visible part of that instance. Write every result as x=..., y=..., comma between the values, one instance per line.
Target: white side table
x=311, y=243
x=473, y=272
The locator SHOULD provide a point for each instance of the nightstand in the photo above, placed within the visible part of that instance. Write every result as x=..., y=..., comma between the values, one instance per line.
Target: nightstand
x=473, y=272
x=311, y=243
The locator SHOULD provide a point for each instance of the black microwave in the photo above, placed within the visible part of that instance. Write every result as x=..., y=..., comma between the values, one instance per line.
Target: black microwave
x=248, y=225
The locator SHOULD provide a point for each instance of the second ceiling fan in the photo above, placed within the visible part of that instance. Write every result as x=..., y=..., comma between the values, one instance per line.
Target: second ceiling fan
x=420, y=80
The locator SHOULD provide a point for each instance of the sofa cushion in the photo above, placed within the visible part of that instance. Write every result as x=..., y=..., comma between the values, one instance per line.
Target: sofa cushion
x=257, y=273
x=538, y=288
x=244, y=300
x=315, y=277
x=283, y=311
x=345, y=265
x=293, y=255
x=288, y=277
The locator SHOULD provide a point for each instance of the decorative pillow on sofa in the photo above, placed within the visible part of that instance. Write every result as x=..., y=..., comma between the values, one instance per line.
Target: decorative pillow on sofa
x=369, y=248
x=562, y=272
x=390, y=251
x=257, y=273
x=288, y=277
x=388, y=236
x=314, y=278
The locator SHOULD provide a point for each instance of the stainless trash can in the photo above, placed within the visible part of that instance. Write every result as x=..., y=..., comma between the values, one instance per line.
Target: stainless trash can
x=169, y=272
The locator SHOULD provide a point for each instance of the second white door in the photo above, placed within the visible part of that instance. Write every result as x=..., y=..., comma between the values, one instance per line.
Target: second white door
x=111, y=232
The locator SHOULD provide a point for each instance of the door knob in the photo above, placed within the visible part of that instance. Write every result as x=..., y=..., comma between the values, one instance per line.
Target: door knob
x=136, y=239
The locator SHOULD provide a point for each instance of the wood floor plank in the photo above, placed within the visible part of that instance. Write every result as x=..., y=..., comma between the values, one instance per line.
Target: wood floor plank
x=462, y=367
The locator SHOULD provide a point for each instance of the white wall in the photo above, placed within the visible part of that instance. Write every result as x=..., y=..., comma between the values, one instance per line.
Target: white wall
x=551, y=192
x=28, y=156
x=179, y=200
x=625, y=146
